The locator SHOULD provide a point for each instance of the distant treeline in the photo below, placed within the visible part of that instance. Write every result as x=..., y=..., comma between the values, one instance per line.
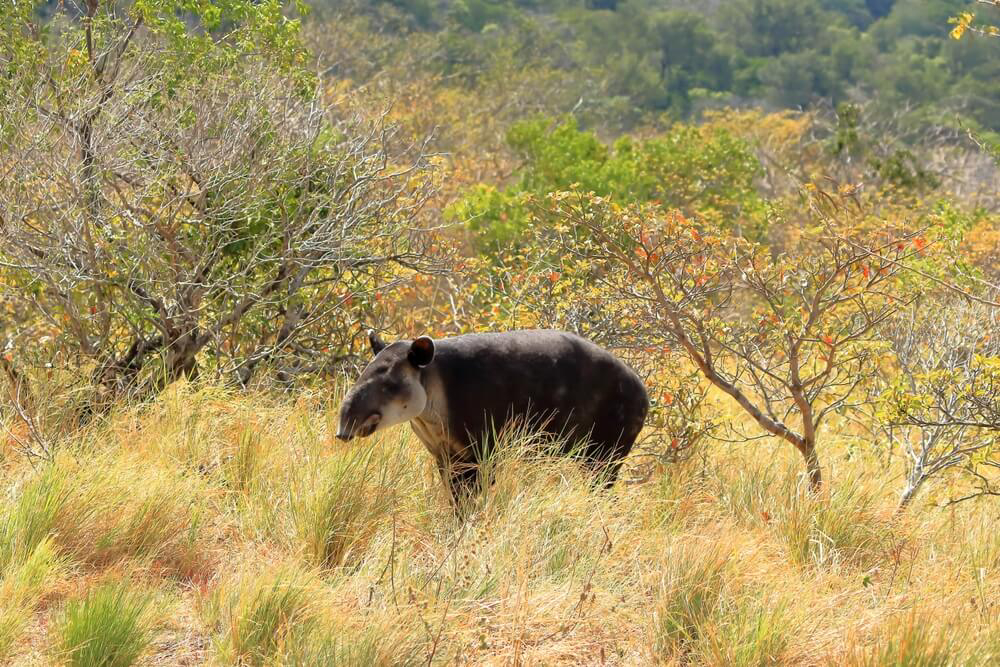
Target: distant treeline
x=680, y=56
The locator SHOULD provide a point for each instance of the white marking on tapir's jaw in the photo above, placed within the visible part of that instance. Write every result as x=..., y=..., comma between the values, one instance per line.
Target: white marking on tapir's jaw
x=400, y=409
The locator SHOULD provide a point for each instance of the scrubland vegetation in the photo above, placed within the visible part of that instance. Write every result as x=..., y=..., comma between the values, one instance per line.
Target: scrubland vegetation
x=203, y=206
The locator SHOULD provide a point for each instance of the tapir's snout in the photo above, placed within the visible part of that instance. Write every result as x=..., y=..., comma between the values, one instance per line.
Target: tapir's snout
x=351, y=427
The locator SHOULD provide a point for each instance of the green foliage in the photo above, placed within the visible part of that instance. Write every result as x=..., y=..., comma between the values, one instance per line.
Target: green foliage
x=768, y=28
x=660, y=59
x=261, y=27
x=701, y=171
x=108, y=627
x=637, y=57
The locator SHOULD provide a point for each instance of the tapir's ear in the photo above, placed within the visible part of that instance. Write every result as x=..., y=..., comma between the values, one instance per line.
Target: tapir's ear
x=377, y=343
x=421, y=351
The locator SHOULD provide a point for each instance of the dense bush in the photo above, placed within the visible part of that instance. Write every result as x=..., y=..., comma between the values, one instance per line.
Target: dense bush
x=702, y=171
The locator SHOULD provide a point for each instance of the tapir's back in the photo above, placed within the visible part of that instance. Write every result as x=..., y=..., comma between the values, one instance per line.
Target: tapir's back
x=576, y=388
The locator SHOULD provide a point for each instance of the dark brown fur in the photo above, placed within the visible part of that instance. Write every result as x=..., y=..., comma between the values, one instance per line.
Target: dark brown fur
x=474, y=384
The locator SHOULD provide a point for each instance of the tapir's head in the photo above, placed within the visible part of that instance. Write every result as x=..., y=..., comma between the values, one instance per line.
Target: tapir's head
x=389, y=391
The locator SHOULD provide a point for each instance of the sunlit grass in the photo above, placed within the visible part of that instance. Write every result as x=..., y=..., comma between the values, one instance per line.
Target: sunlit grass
x=107, y=627
x=277, y=544
x=254, y=617
x=22, y=582
x=693, y=583
x=921, y=640
x=343, y=501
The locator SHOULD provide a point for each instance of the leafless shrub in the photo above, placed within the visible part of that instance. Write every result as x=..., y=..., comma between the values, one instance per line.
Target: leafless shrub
x=942, y=406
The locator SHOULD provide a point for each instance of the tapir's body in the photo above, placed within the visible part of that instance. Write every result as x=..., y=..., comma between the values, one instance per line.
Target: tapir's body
x=471, y=386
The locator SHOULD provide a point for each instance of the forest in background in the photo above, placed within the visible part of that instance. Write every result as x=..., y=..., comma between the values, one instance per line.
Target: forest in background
x=630, y=60
x=785, y=215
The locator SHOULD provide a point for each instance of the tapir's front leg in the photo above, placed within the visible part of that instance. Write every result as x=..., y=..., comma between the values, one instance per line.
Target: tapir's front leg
x=462, y=479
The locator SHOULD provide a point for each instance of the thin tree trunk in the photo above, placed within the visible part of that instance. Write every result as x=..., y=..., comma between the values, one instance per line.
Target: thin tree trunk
x=813, y=469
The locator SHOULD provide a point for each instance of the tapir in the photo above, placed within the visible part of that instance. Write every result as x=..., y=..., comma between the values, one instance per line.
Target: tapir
x=457, y=392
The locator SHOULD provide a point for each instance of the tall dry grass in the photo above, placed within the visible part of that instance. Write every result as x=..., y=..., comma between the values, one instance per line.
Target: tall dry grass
x=262, y=540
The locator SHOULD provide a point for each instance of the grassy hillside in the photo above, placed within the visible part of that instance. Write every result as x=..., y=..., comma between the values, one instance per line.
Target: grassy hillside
x=209, y=527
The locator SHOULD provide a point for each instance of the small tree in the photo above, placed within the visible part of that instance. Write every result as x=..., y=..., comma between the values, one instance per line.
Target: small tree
x=789, y=337
x=175, y=198
x=942, y=408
